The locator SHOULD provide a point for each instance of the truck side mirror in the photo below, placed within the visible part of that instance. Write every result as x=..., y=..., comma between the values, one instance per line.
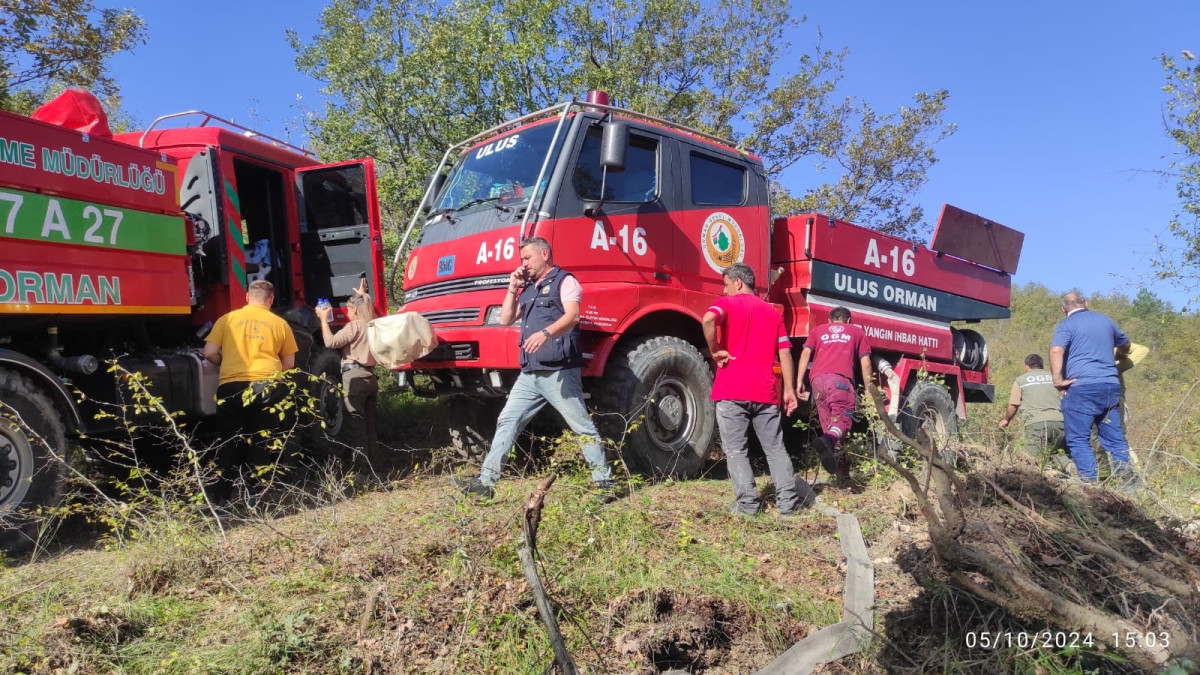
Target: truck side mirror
x=613, y=142
x=433, y=185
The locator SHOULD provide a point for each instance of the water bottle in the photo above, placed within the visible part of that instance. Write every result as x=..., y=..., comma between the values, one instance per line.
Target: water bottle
x=323, y=303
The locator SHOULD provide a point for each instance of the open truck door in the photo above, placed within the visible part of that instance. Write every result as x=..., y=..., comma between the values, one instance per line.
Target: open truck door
x=340, y=235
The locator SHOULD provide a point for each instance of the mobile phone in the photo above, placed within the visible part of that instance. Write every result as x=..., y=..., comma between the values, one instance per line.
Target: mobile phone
x=362, y=275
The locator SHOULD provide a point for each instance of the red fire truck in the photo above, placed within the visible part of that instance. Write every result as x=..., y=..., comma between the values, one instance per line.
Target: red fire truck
x=129, y=247
x=647, y=214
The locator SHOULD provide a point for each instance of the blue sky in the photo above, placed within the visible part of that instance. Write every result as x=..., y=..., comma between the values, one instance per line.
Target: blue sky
x=1059, y=106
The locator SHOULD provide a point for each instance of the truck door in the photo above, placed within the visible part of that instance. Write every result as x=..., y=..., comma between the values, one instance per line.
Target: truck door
x=198, y=199
x=724, y=216
x=631, y=239
x=340, y=234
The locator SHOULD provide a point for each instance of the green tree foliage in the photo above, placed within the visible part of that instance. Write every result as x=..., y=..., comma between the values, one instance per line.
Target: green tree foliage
x=46, y=45
x=405, y=79
x=1180, y=262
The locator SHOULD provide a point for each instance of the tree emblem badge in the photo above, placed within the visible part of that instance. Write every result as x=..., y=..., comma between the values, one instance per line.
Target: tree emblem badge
x=722, y=241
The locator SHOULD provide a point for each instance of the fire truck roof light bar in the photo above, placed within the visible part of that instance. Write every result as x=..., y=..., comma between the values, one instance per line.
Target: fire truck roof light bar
x=209, y=117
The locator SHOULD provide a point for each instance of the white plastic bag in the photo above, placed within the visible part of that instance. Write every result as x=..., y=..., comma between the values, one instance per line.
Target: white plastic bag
x=400, y=338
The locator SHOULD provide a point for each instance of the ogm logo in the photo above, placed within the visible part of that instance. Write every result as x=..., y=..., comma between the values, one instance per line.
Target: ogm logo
x=722, y=240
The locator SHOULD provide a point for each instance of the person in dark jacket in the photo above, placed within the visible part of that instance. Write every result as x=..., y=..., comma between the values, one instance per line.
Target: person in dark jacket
x=546, y=298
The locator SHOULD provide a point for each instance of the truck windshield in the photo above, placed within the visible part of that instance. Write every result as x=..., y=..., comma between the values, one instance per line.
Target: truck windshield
x=501, y=170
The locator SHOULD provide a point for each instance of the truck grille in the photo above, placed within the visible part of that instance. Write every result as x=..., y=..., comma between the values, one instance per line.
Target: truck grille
x=454, y=286
x=452, y=315
x=452, y=351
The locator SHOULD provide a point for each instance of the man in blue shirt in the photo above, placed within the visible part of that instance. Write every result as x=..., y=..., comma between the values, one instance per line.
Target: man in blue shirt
x=1081, y=362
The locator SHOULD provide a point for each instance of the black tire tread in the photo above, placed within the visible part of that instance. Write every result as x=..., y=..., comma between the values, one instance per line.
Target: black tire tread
x=49, y=473
x=929, y=395
x=471, y=426
x=327, y=442
x=620, y=383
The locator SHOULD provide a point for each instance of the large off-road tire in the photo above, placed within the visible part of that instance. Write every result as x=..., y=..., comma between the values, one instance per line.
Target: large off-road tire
x=472, y=423
x=30, y=475
x=331, y=441
x=929, y=406
x=662, y=388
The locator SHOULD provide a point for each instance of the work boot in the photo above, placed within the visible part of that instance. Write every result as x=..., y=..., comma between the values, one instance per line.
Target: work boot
x=803, y=504
x=825, y=452
x=607, y=491
x=739, y=510
x=1126, y=481
x=473, y=488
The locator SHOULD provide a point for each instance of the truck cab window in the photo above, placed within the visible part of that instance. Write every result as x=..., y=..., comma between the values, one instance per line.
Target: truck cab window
x=335, y=197
x=638, y=183
x=717, y=182
x=502, y=169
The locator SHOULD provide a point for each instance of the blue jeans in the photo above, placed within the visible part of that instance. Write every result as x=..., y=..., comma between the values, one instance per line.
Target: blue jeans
x=562, y=389
x=1094, y=404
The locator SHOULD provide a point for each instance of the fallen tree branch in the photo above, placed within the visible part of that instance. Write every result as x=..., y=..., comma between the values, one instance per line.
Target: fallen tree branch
x=1148, y=574
x=527, y=552
x=364, y=621
x=1013, y=590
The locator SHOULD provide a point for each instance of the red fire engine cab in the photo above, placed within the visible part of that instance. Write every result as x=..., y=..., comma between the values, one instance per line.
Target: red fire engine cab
x=647, y=214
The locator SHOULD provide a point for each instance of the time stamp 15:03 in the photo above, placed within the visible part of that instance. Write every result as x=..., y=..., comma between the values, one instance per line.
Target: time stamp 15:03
x=1049, y=639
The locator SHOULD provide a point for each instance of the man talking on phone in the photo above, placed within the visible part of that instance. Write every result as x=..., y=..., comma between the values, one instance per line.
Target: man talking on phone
x=546, y=298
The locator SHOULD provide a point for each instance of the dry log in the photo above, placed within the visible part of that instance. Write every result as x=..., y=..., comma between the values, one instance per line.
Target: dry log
x=527, y=552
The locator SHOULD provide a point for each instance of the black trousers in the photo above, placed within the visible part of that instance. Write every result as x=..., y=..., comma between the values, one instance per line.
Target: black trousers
x=240, y=418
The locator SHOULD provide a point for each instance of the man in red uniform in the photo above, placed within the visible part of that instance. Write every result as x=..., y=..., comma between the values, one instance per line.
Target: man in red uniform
x=833, y=348
x=744, y=390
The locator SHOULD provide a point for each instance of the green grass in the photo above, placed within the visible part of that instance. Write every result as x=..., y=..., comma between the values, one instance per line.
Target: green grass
x=291, y=594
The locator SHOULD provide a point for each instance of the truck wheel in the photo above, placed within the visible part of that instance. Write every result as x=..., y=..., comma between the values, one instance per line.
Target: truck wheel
x=929, y=406
x=30, y=476
x=326, y=367
x=662, y=387
x=471, y=423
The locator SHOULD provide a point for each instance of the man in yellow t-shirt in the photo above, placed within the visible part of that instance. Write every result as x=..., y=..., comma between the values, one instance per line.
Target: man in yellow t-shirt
x=252, y=346
x=1127, y=362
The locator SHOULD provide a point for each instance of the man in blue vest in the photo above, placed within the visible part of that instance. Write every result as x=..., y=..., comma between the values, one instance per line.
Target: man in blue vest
x=1081, y=363
x=546, y=298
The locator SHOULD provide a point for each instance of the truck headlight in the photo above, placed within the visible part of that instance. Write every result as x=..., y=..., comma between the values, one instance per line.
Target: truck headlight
x=492, y=316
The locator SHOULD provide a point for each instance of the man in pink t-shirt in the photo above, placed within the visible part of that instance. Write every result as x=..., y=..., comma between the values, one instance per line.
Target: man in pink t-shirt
x=744, y=390
x=833, y=349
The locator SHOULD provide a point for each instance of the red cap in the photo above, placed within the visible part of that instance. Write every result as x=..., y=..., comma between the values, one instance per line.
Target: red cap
x=597, y=96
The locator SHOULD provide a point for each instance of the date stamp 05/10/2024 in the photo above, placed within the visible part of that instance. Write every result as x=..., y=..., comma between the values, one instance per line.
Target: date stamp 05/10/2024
x=1051, y=639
